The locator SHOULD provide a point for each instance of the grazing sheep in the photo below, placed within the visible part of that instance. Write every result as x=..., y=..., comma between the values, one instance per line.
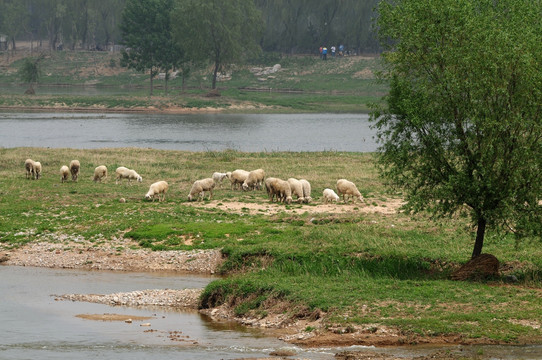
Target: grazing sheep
x=218, y=177
x=37, y=169
x=199, y=187
x=125, y=173
x=157, y=189
x=348, y=188
x=306, y=190
x=281, y=189
x=237, y=178
x=74, y=169
x=100, y=173
x=269, y=188
x=297, y=189
x=29, y=167
x=64, y=173
x=330, y=196
x=254, y=180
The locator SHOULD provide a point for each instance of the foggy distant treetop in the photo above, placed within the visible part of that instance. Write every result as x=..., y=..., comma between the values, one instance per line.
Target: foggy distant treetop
x=291, y=26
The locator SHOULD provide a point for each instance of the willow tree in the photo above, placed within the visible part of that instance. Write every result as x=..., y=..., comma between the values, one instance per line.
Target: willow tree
x=461, y=128
x=217, y=31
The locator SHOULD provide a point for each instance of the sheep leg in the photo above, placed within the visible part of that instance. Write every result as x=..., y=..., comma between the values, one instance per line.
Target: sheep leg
x=210, y=194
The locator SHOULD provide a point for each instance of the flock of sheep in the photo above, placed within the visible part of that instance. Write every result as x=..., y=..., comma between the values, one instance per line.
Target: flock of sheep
x=281, y=190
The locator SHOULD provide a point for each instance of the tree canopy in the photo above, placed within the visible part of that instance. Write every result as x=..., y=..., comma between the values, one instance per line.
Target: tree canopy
x=461, y=130
x=222, y=32
x=30, y=71
x=146, y=31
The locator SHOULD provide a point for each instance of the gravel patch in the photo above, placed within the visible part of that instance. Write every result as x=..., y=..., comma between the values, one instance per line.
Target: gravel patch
x=84, y=256
x=187, y=298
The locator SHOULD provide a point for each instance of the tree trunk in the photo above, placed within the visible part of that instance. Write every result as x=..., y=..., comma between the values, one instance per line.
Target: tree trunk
x=214, y=76
x=151, y=83
x=479, y=243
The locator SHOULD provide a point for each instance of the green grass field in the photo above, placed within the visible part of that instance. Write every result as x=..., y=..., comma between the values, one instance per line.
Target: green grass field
x=338, y=85
x=359, y=267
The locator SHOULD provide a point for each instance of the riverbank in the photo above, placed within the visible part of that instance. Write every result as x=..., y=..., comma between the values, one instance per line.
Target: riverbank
x=303, y=83
x=317, y=273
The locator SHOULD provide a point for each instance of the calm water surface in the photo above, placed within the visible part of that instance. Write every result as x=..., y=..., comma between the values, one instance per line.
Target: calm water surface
x=193, y=132
x=35, y=326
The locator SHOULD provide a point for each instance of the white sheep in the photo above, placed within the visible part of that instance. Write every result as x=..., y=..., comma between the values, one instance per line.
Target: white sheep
x=37, y=169
x=330, y=196
x=100, y=173
x=254, y=180
x=281, y=189
x=347, y=188
x=158, y=189
x=306, y=190
x=125, y=173
x=296, y=188
x=269, y=188
x=218, y=177
x=29, y=167
x=237, y=178
x=74, y=169
x=199, y=187
x=64, y=173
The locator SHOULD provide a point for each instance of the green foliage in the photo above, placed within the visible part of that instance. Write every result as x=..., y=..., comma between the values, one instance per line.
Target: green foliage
x=30, y=71
x=219, y=32
x=146, y=31
x=462, y=129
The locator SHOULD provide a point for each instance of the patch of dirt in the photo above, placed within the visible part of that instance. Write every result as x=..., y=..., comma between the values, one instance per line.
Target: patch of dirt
x=391, y=206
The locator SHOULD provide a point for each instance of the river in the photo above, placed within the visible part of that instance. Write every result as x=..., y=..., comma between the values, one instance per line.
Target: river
x=192, y=132
x=36, y=326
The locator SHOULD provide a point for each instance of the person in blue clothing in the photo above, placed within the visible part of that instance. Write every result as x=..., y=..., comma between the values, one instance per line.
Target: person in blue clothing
x=341, y=50
x=324, y=53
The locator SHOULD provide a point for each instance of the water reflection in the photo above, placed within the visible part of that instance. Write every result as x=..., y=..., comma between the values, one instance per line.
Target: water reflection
x=193, y=132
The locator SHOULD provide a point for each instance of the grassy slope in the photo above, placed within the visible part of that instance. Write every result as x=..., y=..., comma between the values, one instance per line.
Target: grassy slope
x=360, y=268
x=336, y=85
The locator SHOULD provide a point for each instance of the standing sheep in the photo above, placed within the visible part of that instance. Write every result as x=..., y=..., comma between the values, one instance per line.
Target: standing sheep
x=237, y=178
x=29, y=167
x=254, y=180
x=297, y=189
x=218, y=177
x=157, y=189
x=348, y=188
x=37, y=169
x=64, y=173
x=268, y=186
x=100, y=173
x=306, y=190
x=74, y=169
x=330, y=196
x=125, y=173
x=199, y=187
x=281, y=189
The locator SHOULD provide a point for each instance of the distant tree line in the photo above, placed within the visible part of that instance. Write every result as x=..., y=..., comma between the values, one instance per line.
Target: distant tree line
x=66, y=24
x=289, y=26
